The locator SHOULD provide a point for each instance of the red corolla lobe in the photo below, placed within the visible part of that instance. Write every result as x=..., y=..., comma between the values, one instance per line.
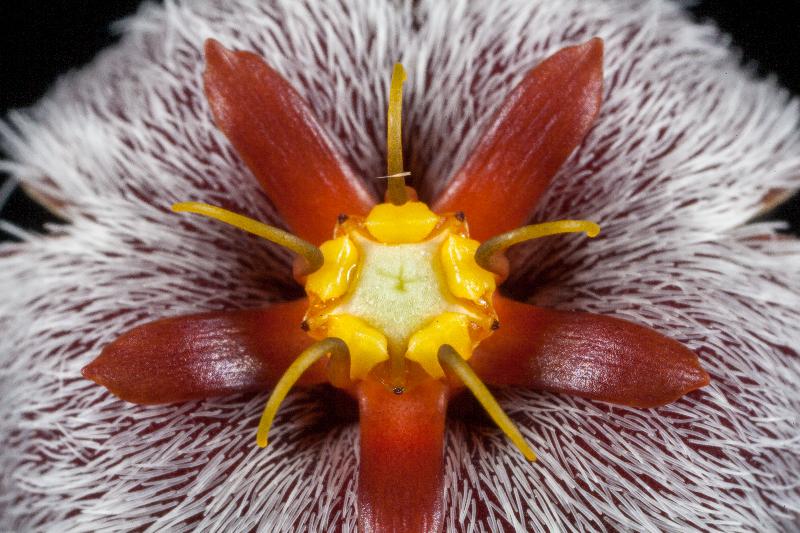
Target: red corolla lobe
x=537, y=127
x=205, y=355
x=594, y=356
x=279, y=138
x=400, y=481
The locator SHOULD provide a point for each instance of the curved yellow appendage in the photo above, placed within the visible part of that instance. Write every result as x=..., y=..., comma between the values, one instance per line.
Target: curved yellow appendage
x=394, y=138
x=449, y=358
x=338, y=370
x=486, y=251
x=310, y=253
x=335, y=347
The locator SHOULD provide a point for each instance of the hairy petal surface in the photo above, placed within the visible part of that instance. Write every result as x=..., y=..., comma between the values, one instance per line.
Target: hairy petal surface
x=721, y=458
x=686, y=149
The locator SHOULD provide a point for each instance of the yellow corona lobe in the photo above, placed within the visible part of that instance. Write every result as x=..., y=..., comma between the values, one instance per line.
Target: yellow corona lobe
x=367, y=345
x=332, y=279
x=447, y=328
x=465, y=278
x=395, y=224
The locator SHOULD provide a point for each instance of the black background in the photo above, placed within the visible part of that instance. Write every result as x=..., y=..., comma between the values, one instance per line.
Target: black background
x=44, y=38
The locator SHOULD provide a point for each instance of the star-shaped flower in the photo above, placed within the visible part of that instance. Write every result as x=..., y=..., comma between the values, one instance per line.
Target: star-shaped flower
x=672, y=167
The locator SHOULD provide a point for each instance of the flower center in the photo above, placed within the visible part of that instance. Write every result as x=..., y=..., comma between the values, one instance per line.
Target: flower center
x=401, y=284
x=397, y=285
x=398, y=288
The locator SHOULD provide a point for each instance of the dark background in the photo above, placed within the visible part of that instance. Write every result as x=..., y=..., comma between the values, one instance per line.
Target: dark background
x=44, y=38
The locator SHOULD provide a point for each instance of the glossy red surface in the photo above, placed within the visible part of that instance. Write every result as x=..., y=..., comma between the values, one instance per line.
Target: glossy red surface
x=400, y=478
x=283, y=144
x=594, y=356
x=200, y=356
x=537, y=127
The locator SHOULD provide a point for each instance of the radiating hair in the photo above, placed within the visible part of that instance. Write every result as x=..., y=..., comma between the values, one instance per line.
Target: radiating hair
x=688, y=148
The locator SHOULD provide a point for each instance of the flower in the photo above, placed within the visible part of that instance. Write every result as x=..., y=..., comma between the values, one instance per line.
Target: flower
x=676, y=255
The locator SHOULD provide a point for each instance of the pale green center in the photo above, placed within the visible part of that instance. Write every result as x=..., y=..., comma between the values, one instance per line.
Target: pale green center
x=399, y=288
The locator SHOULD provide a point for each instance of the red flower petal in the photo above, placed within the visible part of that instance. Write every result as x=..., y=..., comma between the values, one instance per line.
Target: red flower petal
x=538, y=126
x=277, y=135
x=400, y=480
x=593, y=356
x=199, y=356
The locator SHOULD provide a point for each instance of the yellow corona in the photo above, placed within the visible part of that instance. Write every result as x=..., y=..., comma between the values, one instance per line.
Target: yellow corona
x=406, y=275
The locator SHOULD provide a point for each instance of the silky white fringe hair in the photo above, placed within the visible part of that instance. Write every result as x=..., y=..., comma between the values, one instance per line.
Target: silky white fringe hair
x=688, y=148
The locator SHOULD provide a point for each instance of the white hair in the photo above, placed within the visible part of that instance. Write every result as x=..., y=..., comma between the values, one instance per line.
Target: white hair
x=688, y=148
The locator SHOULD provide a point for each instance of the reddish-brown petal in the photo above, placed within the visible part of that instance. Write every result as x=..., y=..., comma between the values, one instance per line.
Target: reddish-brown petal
x=400, y=480
x=594, y=356
x=199, y=356
x=537, y=127
x=278, y=137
